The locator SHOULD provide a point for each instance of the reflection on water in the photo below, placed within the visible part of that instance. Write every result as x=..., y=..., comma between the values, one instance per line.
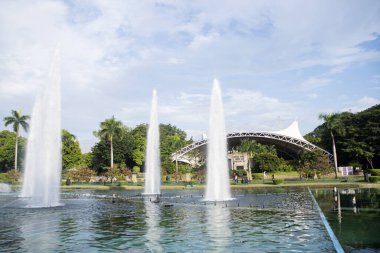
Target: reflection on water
x=90, y=222
x=354, y=215
x=39, y=231
x=153, y=232
x=218, y=222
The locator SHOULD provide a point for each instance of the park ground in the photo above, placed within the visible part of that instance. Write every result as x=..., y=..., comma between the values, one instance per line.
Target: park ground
x=290, y=180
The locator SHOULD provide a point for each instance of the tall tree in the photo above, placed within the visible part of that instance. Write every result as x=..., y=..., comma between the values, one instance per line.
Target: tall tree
x=17, y=120
x=110, y=129
x=333, y=124
x=7, y=148
x=122, y=152
x=71, y=152
x=314, y=162
x=139, y=134
x=177, y=145
x=359, y=144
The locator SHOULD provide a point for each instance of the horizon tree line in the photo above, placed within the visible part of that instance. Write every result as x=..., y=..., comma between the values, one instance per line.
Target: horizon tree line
x=353, y=137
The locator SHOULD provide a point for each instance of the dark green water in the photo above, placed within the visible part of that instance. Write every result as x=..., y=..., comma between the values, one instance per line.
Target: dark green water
x=354, y=216
x=255, y=221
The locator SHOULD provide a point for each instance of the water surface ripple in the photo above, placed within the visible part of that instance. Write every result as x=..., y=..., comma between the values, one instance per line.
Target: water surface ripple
x=181, y=222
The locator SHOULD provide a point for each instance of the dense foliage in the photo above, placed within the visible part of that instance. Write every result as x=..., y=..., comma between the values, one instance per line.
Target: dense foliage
x=130, y=144
x=18, y=121
x=71, y=152
x=80, y=174
x=264, y=157
x=7, y=150
x=110, y=129
x=314, y=164
x=357, y=141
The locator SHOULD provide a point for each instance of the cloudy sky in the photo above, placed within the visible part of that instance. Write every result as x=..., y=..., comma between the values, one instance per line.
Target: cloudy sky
x=277, y=61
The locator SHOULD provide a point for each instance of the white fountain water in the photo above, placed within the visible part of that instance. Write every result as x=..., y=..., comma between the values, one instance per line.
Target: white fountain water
x=42, y=173
x=152, y=162
x=218, y=186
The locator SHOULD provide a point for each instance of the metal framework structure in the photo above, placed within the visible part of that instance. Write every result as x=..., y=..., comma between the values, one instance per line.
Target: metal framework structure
x=301, y=144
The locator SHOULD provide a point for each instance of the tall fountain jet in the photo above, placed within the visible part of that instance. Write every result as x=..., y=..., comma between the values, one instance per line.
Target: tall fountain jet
x=218, y=186
x=153, y=164
x=42, y=174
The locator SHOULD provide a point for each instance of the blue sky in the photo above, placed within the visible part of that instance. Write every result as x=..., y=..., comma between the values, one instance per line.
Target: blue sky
x=277, y=61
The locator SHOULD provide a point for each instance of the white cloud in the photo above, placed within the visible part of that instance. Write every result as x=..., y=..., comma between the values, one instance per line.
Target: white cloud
x=361, y=104
x=16, y=89
x=200, y=40
x=114, y=52
x=251, y=110
x=313, y=96
x=175, y=61
x=314, y=83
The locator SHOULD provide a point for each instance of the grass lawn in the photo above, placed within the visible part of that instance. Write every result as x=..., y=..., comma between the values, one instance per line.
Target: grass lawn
x=318, y=183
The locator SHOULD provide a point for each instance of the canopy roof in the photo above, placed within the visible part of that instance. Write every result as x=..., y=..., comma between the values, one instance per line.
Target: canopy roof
x=291, y=131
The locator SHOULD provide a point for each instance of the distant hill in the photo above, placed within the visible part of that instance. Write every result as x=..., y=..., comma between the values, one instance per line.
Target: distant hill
x=357, y=142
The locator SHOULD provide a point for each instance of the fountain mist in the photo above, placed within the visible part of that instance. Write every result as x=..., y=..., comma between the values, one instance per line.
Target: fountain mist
x=43, y=157
x=218, y=186
x=152, y=164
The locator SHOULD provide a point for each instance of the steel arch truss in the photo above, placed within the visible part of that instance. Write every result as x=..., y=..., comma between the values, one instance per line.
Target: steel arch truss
x=301, y=144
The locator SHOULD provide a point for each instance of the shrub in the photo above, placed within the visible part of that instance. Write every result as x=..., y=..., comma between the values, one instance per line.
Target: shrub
x=257, y=175
x=241, y=172
x=278, y=181
x=374, y=179
x=136, y=169
x=11, y=177
x=81, y=174
x=375, y=172
x=3, y=177
x=285, y=168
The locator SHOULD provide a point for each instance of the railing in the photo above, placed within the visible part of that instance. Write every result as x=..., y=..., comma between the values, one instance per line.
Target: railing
x=267, y=135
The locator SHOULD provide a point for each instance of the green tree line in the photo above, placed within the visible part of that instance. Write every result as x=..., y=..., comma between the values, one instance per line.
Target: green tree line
x=129, y=144
x=356, y=137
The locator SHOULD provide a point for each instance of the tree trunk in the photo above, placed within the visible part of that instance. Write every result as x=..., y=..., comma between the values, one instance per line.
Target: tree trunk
x=370, y=162
x=176, y=166
x=335, y=157
x=249, y=170
x=16, y=150
x=111, y=153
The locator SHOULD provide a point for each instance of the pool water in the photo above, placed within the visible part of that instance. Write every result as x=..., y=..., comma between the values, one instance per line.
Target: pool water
x=354, y=216
x=89, y=221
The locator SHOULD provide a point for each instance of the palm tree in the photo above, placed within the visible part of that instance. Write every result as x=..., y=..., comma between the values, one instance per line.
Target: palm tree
x=109, y=129
x=17, y=120
x=177, y=145
x=332, y=124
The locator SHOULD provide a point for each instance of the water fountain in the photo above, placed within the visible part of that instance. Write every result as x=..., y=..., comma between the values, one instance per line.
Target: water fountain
x=152, y=164
x=42, y=173
x=218, y=187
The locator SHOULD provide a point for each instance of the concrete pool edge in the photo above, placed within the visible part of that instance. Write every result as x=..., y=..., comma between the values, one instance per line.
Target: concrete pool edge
x=334, y=239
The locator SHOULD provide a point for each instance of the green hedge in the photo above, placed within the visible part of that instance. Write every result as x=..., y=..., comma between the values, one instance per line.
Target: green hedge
x=3, y=177
x=122, y=183
x=10, y=177
x=257, y=175
x=375, y=172
x=278, y=181
x=374, y=179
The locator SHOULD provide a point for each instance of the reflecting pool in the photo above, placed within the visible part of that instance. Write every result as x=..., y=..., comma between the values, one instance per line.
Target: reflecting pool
x=93, y=221
x=354, y=216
